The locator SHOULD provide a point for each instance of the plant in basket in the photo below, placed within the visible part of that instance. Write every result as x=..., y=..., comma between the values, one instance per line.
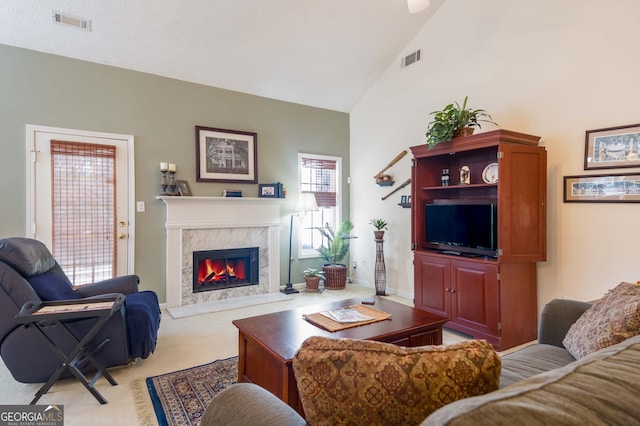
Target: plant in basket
x=334, y=251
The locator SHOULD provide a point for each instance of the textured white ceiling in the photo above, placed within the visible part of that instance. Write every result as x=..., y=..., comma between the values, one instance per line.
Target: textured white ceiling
x=323, y=53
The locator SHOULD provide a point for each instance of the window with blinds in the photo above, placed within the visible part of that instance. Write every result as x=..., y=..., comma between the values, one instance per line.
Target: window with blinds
x=319, y=175
x=84, y=211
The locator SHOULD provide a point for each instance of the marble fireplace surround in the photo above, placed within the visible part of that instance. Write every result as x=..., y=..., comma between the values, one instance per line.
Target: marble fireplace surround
x=212, y=223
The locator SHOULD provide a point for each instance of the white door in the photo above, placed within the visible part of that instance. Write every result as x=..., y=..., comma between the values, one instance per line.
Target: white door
x=80, y=199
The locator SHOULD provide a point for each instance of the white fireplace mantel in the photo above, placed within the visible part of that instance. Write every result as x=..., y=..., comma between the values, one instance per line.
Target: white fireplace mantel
x=211, y=213
x=223, y=212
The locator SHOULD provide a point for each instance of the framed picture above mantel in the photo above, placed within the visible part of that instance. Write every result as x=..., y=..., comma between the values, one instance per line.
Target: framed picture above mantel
x=226, y=155
x=612, y=147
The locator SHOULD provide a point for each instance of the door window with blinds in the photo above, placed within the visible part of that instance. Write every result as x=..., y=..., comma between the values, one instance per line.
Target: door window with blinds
x=83, y=180
x=319, y=175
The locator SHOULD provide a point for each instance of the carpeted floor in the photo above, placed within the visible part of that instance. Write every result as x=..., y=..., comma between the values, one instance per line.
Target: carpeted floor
x=182, y=343
x=180, y=398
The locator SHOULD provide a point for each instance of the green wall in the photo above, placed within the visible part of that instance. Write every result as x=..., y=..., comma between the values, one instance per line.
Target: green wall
x=161, y=113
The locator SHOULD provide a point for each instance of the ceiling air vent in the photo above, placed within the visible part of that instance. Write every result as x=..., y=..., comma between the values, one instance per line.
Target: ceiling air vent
x=410, y=59
x=72, y=21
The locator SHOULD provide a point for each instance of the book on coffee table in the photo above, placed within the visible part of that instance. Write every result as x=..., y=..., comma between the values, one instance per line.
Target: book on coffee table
x=346, y=315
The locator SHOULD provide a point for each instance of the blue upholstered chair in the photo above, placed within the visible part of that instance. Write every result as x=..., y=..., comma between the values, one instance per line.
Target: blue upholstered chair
x=29, y=273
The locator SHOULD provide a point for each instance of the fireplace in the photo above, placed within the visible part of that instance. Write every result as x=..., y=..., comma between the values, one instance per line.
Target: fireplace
x=228, y=268
x=207, y=223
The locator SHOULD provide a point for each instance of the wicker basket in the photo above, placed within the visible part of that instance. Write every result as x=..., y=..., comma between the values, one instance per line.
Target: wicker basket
x=335, y=277
x=465, y=131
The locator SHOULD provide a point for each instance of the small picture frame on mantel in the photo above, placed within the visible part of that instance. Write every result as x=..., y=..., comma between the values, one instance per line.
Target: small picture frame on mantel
x=183, y=188
x=270, y=190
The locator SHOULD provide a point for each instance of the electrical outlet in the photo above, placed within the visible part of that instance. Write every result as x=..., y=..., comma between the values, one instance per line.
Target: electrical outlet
x=140, y=207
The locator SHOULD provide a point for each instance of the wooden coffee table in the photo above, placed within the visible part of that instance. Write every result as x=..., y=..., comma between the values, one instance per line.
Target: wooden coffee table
x=268, y=343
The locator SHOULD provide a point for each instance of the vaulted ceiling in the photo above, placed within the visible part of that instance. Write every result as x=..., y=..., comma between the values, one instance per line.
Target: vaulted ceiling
x=323, y=53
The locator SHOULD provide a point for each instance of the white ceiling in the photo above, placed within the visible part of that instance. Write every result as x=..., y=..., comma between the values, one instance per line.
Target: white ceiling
x=323, y=53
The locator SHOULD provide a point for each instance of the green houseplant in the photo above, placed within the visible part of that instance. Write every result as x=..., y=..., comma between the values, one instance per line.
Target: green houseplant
x=380, y=225
x=312, y=277
x=452, y=120
x=334, y=251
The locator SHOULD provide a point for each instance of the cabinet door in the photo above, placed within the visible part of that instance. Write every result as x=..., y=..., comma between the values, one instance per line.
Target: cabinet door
x=522, y=210
x=475, y=296
x=431, y=283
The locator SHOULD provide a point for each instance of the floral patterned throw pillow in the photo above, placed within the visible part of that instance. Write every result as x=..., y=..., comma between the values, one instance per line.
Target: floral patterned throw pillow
x=610, y=320
x=348, y=381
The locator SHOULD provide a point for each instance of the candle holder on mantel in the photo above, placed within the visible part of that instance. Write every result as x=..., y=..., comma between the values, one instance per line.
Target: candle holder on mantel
x=163, y=180
x=172, y=183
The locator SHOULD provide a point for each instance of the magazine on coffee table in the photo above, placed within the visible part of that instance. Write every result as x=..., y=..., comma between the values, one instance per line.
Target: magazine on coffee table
x=346, y=315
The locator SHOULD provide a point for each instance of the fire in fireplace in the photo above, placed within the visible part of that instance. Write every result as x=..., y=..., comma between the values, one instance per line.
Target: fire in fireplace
x=219, y=269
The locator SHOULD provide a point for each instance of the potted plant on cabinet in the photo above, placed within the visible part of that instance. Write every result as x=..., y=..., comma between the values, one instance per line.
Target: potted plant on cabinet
x=336, y=248
x=454, y=121
x=381, y=226
x=312, y=277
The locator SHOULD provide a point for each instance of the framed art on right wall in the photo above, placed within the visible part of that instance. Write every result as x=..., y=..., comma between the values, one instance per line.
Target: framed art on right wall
x=618, y=188
x=612, y=147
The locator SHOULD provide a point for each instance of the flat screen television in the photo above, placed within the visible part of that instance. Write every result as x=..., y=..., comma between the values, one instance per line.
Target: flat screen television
x=462, y=227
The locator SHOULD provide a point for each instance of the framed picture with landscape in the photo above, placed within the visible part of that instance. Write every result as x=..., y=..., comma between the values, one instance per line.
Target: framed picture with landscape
x=617, y=188
x=612, y=147
x=226, y=155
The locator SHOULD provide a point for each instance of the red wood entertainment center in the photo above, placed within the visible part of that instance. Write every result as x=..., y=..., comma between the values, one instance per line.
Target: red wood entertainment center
x=490, y=293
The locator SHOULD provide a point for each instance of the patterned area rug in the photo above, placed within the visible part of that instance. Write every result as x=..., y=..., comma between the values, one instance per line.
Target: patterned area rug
x=180, y=398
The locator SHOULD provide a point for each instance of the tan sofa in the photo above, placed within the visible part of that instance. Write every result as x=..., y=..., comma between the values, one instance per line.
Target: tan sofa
x=541, y=384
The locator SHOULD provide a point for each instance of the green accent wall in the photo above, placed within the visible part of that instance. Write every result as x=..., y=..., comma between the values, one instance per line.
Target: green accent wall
x=161, y=113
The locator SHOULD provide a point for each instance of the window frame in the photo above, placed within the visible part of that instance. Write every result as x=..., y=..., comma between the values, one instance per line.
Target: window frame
x=337, y=210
